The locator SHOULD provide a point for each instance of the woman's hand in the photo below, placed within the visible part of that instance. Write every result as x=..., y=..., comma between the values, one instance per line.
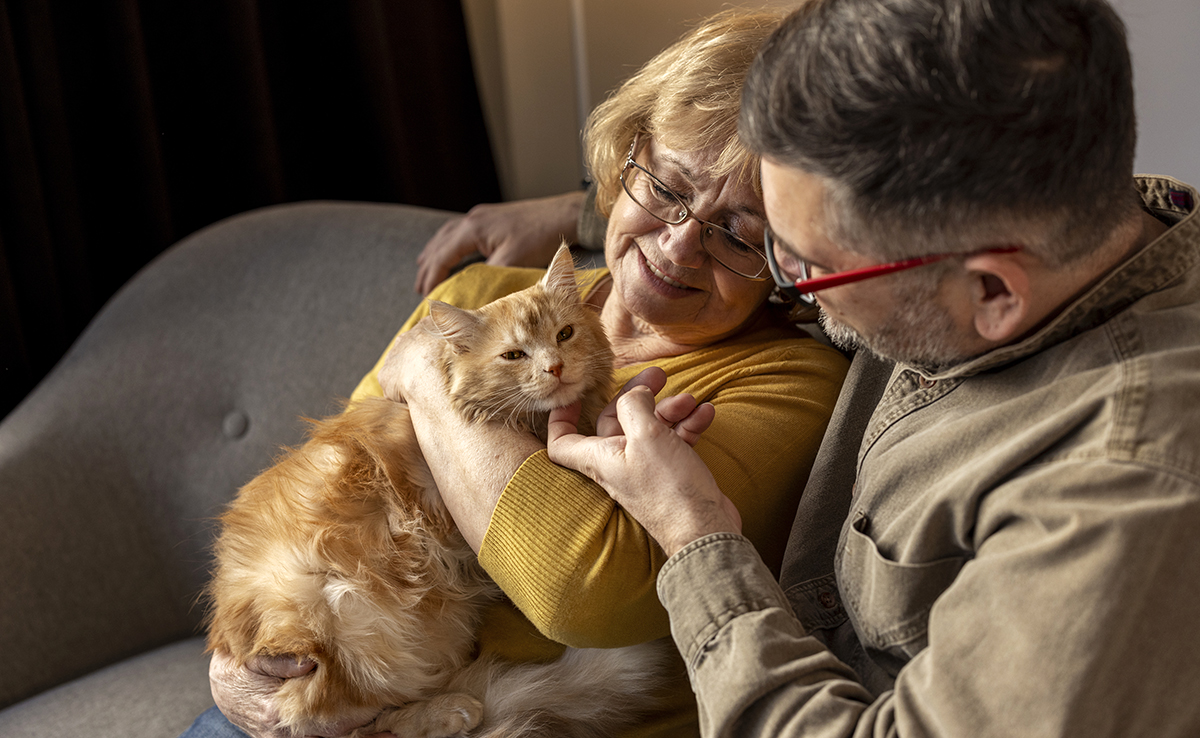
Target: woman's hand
x=520, y=233
x=643, y=458
x=246, y=694
x=410, y=373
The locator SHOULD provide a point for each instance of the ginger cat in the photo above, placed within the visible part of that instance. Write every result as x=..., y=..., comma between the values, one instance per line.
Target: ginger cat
x=343, y=552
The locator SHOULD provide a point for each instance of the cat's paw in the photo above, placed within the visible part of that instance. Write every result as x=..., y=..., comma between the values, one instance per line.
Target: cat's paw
x=444, y=716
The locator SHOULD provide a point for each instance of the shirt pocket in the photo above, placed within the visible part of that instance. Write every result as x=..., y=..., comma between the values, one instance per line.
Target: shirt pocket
x=888, y=601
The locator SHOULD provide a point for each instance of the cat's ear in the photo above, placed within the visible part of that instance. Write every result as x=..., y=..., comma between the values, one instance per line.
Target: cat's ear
x=560, y=277
x=454, y=324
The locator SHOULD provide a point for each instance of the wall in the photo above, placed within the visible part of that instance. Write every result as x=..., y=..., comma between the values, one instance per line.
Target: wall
x=543, y=63
x=1164, y=40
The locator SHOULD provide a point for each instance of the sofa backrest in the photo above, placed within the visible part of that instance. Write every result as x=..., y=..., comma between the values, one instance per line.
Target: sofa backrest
x=182, y=389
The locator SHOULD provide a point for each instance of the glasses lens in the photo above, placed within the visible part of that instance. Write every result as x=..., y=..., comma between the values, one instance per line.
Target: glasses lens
x=787, y=270
x=735, y=253
x=654, y=197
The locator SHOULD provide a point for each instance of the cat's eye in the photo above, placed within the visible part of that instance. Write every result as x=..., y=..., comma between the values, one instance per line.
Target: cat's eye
x=566, y=333
x=513, y=355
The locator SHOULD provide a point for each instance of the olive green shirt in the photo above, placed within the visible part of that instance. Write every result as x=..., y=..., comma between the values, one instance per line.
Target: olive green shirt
x=1019, y=551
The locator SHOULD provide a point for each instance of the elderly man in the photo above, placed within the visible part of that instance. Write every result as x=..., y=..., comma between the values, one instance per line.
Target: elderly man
x=1014, y=466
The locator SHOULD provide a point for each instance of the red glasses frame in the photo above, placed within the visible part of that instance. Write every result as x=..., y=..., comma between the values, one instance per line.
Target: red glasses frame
x=802, y=289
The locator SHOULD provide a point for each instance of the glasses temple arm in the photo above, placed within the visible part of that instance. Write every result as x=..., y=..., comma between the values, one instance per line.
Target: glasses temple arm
x=854, y=275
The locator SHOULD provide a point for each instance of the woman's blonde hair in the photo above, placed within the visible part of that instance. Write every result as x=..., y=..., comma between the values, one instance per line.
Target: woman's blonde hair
x=687, y=98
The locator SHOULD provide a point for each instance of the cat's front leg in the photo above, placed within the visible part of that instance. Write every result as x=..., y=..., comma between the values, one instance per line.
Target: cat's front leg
x=443, y=716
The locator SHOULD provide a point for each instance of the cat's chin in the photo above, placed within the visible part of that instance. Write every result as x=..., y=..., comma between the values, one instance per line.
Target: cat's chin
x=563, y=396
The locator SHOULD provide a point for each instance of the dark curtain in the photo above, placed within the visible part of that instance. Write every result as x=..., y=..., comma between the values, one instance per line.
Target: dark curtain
x=126, y=125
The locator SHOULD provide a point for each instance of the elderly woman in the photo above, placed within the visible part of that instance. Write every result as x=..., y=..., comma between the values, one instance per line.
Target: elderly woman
x=686, y=290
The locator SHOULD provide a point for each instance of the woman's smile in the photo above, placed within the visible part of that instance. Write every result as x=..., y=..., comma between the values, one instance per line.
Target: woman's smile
x=663, y=283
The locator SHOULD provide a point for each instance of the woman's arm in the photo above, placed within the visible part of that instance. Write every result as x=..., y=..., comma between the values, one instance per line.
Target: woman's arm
x=576, y=565
x=583, y=571
x=471, y=462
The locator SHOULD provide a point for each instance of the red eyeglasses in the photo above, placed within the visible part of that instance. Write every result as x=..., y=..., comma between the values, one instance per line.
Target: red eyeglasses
x=801, y=288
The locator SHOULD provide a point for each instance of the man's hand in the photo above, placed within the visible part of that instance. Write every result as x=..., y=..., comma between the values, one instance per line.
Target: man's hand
x=643, y=458
x=520, y=233
x=246, y=695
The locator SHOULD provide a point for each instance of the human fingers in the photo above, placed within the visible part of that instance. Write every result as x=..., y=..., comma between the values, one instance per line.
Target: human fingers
x=663, y=483
x=281, y=667
x=564, y=421
x=652, y=378
x=686, y=416
x=524, y=252
x=636, y=405
x=693, y=426
x=674, y=408
x=448, y=246
x=566, y=447
x=445, y=233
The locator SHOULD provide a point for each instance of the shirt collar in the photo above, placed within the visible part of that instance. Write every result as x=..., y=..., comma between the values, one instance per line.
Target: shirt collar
x=1154, y=267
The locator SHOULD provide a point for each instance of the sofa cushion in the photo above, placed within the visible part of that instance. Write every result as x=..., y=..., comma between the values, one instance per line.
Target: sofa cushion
x=155, y=695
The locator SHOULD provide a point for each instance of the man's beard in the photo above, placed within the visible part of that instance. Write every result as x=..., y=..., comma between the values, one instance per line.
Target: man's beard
x=919, y=334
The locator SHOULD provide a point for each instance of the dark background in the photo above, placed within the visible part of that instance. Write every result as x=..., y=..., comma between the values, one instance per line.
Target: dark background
x=126, y=125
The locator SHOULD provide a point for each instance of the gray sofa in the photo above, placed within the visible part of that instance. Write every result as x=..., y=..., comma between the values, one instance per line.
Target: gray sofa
x=182, y=389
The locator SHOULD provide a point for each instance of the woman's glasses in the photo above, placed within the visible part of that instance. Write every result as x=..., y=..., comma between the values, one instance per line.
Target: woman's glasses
x=730, y=250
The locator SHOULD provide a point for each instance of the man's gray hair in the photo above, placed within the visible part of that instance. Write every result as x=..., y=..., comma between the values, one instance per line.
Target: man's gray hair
x=949, y=122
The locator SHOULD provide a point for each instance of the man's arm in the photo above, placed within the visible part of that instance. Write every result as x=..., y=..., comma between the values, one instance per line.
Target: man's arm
x=1075, y=616
x=519, y=233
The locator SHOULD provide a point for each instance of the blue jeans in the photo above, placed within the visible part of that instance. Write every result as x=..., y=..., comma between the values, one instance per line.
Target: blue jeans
x=212, y=724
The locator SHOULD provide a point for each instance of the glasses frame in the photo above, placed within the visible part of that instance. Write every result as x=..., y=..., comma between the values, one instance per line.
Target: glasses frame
x=802, y=290
x=764, y=272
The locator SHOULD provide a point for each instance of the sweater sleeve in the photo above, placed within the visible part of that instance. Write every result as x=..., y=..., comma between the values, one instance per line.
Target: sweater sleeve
x=578, y=566
x=584, y=572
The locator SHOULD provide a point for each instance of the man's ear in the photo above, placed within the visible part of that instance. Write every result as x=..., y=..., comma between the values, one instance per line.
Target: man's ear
x=1000, y=296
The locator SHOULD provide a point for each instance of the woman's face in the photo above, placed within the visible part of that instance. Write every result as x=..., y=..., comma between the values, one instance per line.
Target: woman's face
x=661, y=274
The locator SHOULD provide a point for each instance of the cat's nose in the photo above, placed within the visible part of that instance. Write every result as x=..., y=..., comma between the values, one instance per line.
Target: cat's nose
x=556, y=370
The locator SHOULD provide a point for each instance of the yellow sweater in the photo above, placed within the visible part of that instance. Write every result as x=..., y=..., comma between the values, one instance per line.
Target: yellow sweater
x=582, y=572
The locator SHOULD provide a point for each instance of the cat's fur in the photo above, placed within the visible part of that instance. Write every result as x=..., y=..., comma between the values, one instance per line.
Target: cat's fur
x=343, y=552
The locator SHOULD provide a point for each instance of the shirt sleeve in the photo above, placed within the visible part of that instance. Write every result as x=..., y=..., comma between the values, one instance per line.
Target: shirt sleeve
x=583, y=571
x=1074, y=618
x=592, y=226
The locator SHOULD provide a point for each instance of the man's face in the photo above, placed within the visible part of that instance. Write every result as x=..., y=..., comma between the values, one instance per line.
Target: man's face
x=899, y=316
